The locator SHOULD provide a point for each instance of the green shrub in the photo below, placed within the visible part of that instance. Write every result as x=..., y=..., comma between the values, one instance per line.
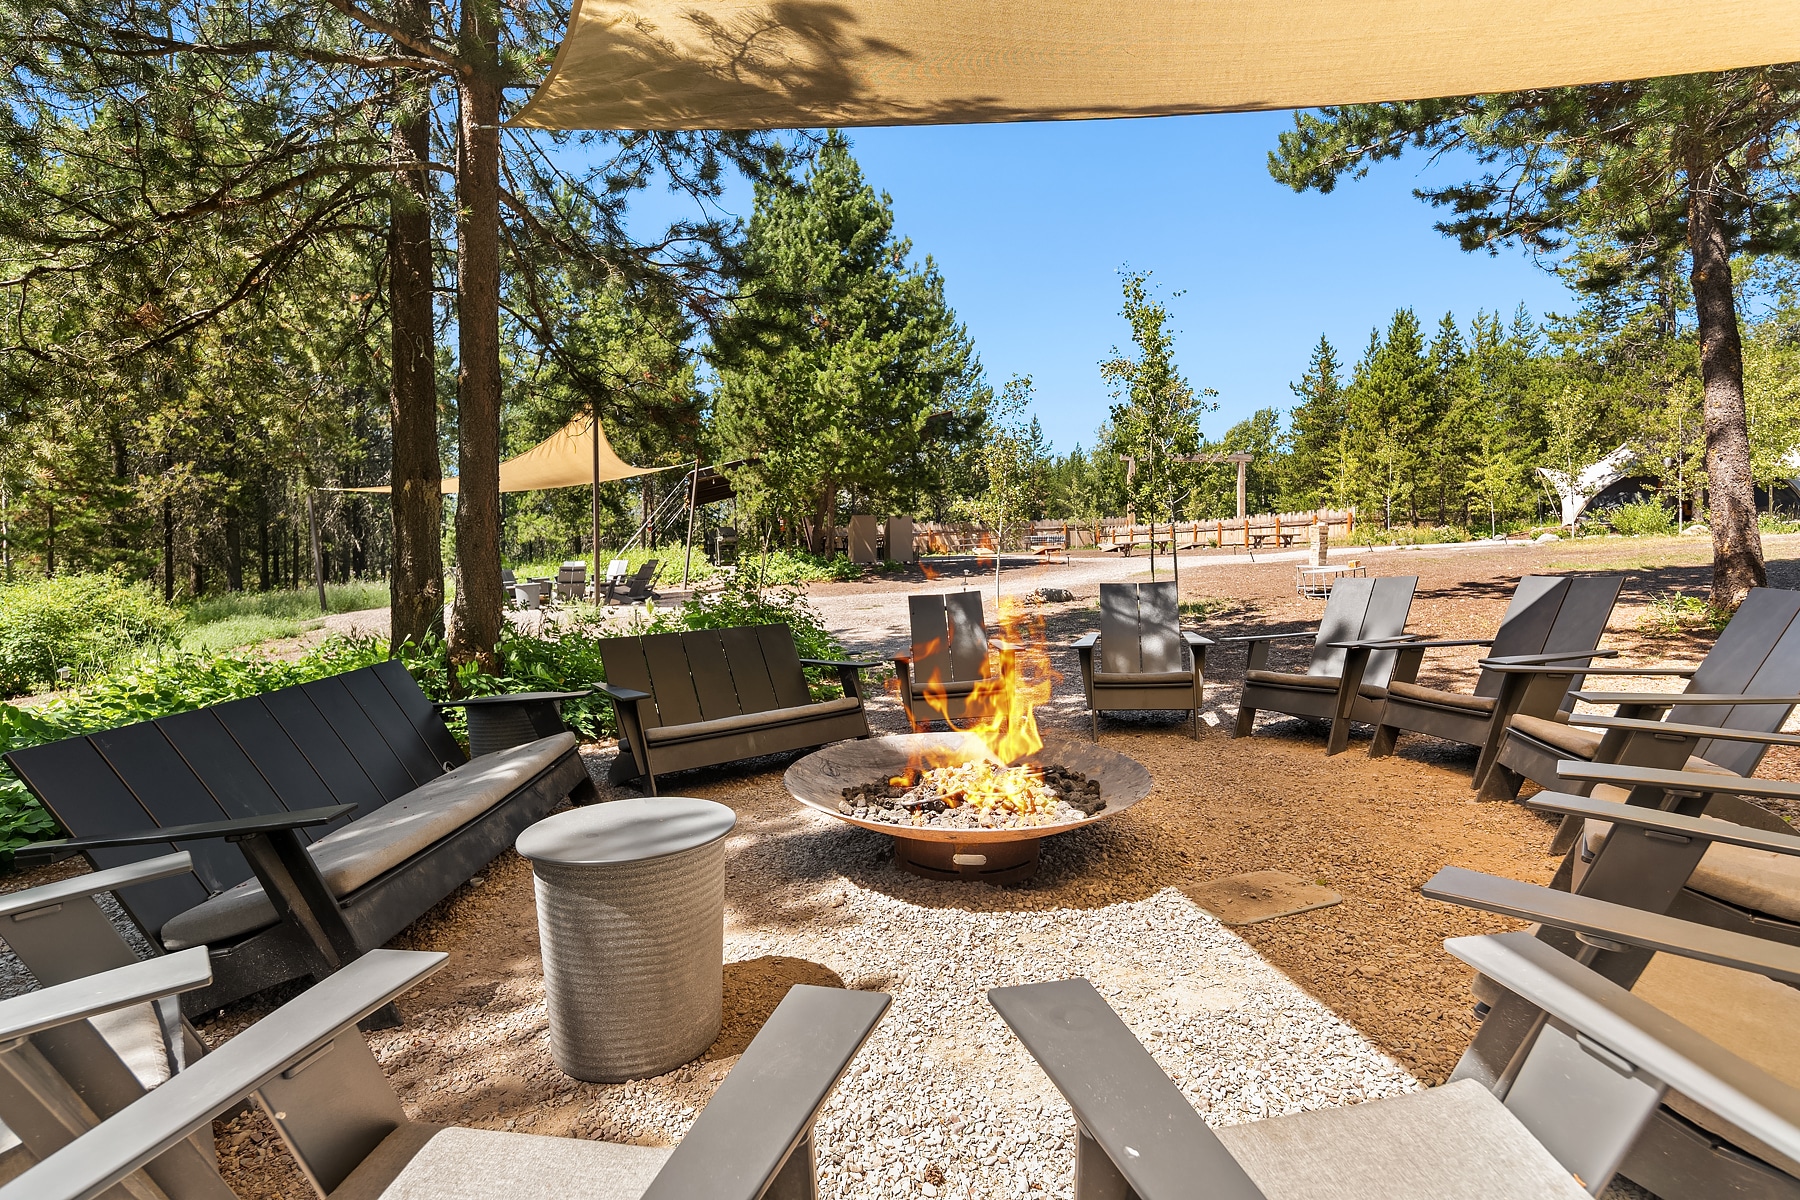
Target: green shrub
x=1406, y=535
x=1776, y=523
x=1644, y=518
x=1673, y=613
x=81, y=624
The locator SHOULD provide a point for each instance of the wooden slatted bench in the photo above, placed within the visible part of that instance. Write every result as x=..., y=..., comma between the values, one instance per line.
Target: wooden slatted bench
x=322, y=819
x=711, y=696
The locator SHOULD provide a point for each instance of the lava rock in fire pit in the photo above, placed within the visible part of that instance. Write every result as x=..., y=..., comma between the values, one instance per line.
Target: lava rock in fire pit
x=976, y=796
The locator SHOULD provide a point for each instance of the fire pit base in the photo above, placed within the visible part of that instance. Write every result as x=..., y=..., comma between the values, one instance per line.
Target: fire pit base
x=987, y=862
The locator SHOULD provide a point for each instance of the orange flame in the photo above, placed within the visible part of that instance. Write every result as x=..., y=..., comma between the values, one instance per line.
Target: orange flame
x=999, y=723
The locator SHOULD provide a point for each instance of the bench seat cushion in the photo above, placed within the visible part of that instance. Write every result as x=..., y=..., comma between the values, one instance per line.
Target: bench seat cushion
x=1455, y=1140
x=1412, y=693
x=486, y=1164
x=1133, y=679
x=774, y=718
x=373, y=845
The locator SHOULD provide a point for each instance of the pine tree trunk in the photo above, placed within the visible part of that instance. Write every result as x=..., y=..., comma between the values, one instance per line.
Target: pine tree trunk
x=476, y=618
x=417, y=576
x=1737, y=547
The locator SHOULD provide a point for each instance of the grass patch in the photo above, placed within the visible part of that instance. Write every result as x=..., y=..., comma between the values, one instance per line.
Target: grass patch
x=1672, y=614
x=669, y=576
x=1217, y=608
x=235, y=619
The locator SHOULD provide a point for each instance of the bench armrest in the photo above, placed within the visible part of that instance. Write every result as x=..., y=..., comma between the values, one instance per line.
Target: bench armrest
x=92, y=995
x=78, y=886
x=1086, y=641
x=115, y=1148
x=1604, y=920
x=1671, y=699
x=234, y=830
x=1127, y=1108
x=1704, y=783
x=620, y=695
x=1678, y=729
x=762, y=1115
x=513, y=698
x=1270, y=637
x=1667, y=826
x=1634, y=1030
x=839, y=663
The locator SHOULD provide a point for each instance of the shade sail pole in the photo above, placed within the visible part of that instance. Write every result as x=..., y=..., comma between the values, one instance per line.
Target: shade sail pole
x=594, y=531
x=693, y=495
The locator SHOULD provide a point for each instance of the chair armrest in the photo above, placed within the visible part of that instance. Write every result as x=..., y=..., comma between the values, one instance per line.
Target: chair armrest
x=77, y=886
x=1406, y=641
x=1192, y=639
x=231, y=831
x=1122, y=1100
x=1086, y=641
x=92, y=995
x=1644, y=1036
x=1678, y=729
x=1270, y=637
x=839, y=663
x=109, y=1152
x=1551, y=659
x=1671, y=699
x=1611, y=922
x=1668, y=826
x=1704, y=783
x=1506, y=666
x=620, y=695
x=764, y=1111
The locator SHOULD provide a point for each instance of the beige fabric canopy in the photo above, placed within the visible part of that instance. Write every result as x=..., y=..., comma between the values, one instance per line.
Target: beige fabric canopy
x=774, y=64
x=564, y=459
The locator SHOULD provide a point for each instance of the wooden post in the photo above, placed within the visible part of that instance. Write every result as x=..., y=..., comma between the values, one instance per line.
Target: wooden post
x=312, y=519
x=1242, y=466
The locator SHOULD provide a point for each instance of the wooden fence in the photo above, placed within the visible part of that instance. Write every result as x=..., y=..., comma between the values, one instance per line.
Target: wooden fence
x=1117, y=535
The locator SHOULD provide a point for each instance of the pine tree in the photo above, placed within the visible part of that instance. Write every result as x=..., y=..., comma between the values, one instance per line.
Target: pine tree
x=1317, y=423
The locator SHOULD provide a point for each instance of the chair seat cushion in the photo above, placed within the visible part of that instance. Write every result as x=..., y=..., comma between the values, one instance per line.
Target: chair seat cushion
x=485, y=1164
x=1759, y=880
x=1310, y=683
x=1132, y=679
x=137, y=1037
x=774, y=718
x=1455, y=1140
x=373, y=845
x=1437, y=698
x=1571, y=740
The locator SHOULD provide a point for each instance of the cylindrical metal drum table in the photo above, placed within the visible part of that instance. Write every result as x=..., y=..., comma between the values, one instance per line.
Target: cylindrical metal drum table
x=631, y=915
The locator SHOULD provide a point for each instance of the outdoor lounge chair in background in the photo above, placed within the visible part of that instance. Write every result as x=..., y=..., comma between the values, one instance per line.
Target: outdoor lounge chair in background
x=711, y=696
x=342, y=1122
x=949, y=655
x=1147, y=661
x=637, y=586
x=1734, y=988
x=1553, y=620
x=1339, y=686
x=571, y=581
x=1593, y=1077
x=1746, y=683
x=245, y=786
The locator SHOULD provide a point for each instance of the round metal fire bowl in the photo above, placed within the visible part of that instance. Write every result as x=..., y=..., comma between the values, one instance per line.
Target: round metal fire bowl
x=991, y=855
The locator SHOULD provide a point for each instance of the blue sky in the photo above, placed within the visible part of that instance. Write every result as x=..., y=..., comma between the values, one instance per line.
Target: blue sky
x=1030, y=225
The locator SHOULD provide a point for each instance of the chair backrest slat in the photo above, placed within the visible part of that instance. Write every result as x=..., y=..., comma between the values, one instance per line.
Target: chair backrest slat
x=968, y=635
x=1549, y=613
x=750, y=680
x=1742, y=648
x=711, y=673
x=359, y=736
x=88, y=799
x=417, y=708
x=1342, y=622
x=1140, y=628
x=1119, y=630
x=783, y=661
x=930, y=621
x=171, y=794
x=666, y=659
x=1582, y=620
x=269, y=752
x=1776, y=675
x=1529, y=617
x=1390, y=603
x=295, y=715
x=421, y=765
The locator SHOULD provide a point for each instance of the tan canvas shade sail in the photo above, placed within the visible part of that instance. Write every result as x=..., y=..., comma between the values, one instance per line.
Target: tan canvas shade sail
x=776, y=64
x=564, y=459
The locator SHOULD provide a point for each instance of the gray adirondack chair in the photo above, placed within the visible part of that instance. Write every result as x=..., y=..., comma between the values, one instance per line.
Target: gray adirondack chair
x=1743, y=689
x=1733, y=987
x=1553, y=620
x=341, y=1120
x=949, y=656
x=1147, y=661
x=1341, y=684
x=1593, y=1077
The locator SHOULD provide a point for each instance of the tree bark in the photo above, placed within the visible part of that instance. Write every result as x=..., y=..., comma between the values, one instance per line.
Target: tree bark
x=1737, y=546
x=417, y=575
x=475, y=619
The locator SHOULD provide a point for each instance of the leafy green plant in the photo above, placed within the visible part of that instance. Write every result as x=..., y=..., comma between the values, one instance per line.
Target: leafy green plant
x=1672, y=613
x=1643, y=518
x=68, y=629
x=1776, y=523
